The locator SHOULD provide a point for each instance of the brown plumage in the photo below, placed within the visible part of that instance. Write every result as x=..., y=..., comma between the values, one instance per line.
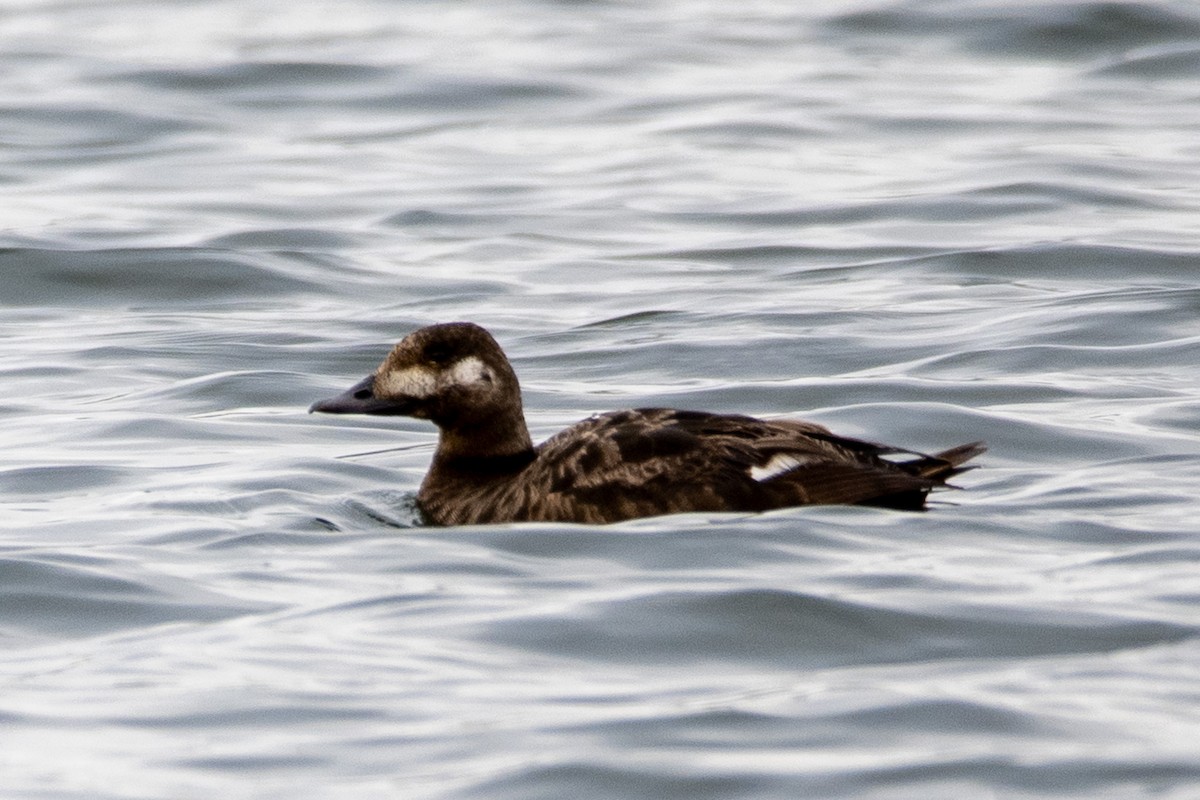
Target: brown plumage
x=620, y=465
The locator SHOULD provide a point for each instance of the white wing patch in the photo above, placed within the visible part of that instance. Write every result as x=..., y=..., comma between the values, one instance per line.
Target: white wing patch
x=779, y=464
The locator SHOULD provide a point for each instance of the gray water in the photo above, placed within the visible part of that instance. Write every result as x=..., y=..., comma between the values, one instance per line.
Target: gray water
x=919, y=222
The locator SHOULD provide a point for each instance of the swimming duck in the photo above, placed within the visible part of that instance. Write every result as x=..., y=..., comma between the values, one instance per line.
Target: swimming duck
x=620, y=465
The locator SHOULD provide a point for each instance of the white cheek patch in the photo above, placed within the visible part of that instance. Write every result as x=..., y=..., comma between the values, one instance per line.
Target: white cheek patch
x=466, y=372
x=779, y=464
x=407, y=382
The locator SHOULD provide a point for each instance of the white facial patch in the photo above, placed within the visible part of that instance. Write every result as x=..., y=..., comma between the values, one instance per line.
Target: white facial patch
x=778, y=464
x=466, y=372
x=407, y=382
x=422, y=381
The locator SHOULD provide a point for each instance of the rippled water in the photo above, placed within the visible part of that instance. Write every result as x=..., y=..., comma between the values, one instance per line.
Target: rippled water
x=921, y=222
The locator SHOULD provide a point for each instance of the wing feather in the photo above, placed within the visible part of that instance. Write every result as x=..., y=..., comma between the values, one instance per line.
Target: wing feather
x=658, y=461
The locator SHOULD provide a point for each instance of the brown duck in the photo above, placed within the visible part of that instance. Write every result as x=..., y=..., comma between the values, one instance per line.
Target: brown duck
x=620, y=465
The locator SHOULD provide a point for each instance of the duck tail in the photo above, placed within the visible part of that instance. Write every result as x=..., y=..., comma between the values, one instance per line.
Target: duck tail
x=944, y=465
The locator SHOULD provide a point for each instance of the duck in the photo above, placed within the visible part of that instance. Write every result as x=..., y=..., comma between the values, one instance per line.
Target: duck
x=620, y=465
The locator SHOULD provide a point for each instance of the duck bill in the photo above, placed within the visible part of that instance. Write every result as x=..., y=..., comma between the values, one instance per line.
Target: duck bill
x=360, y=399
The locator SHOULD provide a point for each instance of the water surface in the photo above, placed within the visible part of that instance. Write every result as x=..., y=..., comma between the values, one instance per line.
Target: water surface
x=918, y=222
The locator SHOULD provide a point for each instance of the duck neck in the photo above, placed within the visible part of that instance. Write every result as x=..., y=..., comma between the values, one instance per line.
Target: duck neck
x=497, y=442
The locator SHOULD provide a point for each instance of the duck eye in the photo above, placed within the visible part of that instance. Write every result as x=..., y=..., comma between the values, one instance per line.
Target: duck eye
x=438, y=354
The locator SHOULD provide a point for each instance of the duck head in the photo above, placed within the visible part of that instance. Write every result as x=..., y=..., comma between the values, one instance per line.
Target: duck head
x=453, y=374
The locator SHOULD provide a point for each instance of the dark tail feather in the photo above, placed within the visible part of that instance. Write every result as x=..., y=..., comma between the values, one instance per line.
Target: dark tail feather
x=946, y=464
